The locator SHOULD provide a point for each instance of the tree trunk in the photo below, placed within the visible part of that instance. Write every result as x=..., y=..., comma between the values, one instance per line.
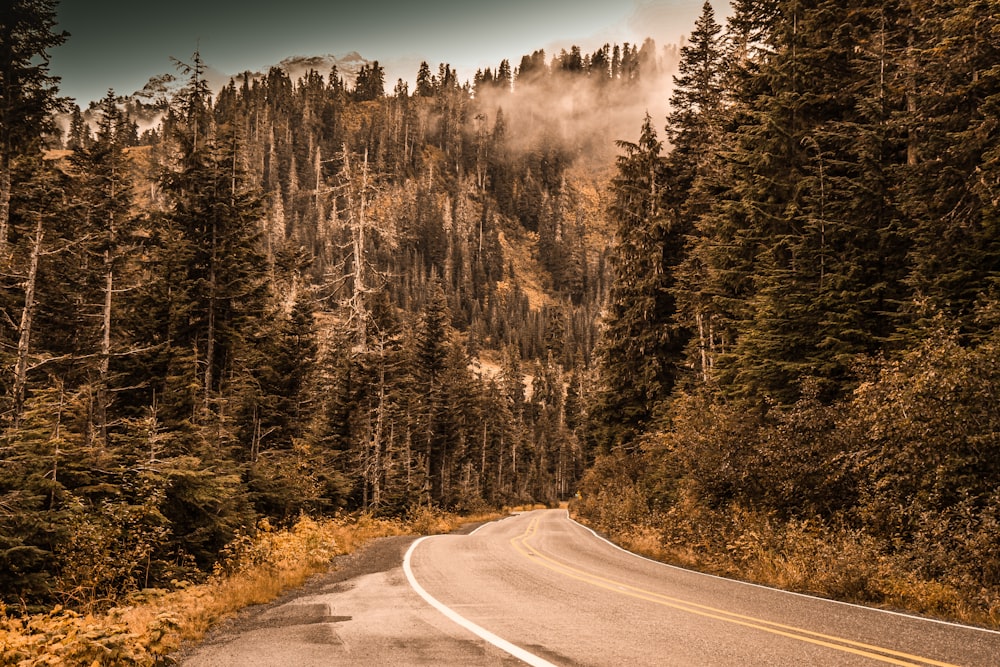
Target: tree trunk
x=109, y=283
x=910, y=90
x=377, y=446
x=105, y=364
x=4, y=205
x=210, y=334
x=500, y=464
x=360, y=311
x=24, y=329
x=702, y=346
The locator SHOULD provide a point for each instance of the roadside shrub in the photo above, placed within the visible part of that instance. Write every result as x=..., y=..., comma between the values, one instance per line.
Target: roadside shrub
x=888, y=496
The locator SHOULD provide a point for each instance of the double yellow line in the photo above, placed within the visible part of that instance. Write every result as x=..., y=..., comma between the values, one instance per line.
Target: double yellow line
x=889, y=656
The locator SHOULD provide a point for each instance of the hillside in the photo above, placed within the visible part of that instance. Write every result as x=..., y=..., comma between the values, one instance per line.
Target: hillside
x=301, y=294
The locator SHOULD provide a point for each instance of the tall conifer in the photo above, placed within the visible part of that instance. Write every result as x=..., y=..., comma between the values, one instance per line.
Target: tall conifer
x=27, y=90
x=641, y=346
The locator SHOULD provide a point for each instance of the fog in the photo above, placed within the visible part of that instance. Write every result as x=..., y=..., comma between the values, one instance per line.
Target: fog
x=588, y=113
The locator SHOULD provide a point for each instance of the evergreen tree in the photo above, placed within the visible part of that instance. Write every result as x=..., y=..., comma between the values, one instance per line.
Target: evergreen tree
x=950, y=69
x=504, y=78
x=641, y=344
x=717, y=279
x=370, y=83
x=425, y=81
x=280, y=360
x=695, y=100
x=693, y=127
x=784, y=279
x=512, y=462
x=27, y=90
x=430, y=357
x=31, y=503
x=459, y=423
x=79, y=136
x=43, y=231
x=215, y=212
x=532, y=68
x=106, y=207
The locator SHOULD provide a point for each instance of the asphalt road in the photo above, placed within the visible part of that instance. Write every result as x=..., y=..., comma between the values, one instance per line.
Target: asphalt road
x=538, y=588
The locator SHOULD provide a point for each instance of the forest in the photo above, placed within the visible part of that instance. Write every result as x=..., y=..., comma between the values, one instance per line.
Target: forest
x=761, y=341
x=798, y=370
x=289, y=298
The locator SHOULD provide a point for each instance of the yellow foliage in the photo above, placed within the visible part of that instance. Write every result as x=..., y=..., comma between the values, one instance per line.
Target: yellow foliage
x=153, y=622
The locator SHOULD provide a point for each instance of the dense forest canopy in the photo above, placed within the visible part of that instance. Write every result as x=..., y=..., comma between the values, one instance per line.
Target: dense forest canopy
x=331, y=292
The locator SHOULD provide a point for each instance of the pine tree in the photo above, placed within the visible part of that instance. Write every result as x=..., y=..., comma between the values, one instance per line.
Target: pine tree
x=600, y=65
x=370, y=83
x=950, y=65
x=425, y=81
x=27, y=90
x=695, y=100
x=279, y=363
x=43, y=232
x=30, y=500
x=693, y=127
x=215, y=211
x=430, y=356
x=717, y=281
x=79, y=136
x=504, y=78
x=641, y=341
x=459, y=423
x=808, y=158
x=512, y=464
x=533, y=68
x=777, y=346
x=106, y=206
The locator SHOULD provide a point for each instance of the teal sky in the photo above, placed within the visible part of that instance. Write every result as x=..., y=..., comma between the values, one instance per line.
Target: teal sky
x=118, y=44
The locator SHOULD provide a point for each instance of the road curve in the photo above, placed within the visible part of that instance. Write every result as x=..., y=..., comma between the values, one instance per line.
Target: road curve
x=541, y=589
x=554, y=589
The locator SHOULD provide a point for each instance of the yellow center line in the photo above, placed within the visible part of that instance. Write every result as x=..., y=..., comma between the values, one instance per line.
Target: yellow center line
x=520, y=544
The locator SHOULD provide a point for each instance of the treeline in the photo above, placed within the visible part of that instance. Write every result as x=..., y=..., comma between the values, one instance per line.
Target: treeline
x=802, y=338
x=290, y=297
x=608, y=64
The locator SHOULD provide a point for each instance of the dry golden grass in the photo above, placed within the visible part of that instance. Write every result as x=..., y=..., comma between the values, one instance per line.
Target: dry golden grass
x=644, y=541
x=154, y=623
x=57, y=154
x=528, y=507
x=518, y=245
x=799, y=556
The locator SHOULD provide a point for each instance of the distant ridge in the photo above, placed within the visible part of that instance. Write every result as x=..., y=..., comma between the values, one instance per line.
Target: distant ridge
x=348, y=64
x=146, y=105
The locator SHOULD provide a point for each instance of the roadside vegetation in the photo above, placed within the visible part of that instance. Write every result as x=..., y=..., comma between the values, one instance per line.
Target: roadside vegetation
x=149, y=625
x=886, y=497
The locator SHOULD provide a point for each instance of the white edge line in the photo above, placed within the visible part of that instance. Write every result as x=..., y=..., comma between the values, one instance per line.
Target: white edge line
x=502, y=644
x=780, y=590
x=479, y=528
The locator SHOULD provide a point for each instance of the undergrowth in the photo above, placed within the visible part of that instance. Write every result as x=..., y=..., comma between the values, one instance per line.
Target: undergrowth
x=812, y=557
x=145, y=628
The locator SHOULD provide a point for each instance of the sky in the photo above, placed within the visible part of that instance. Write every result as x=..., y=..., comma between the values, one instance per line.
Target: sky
x=120, y=44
